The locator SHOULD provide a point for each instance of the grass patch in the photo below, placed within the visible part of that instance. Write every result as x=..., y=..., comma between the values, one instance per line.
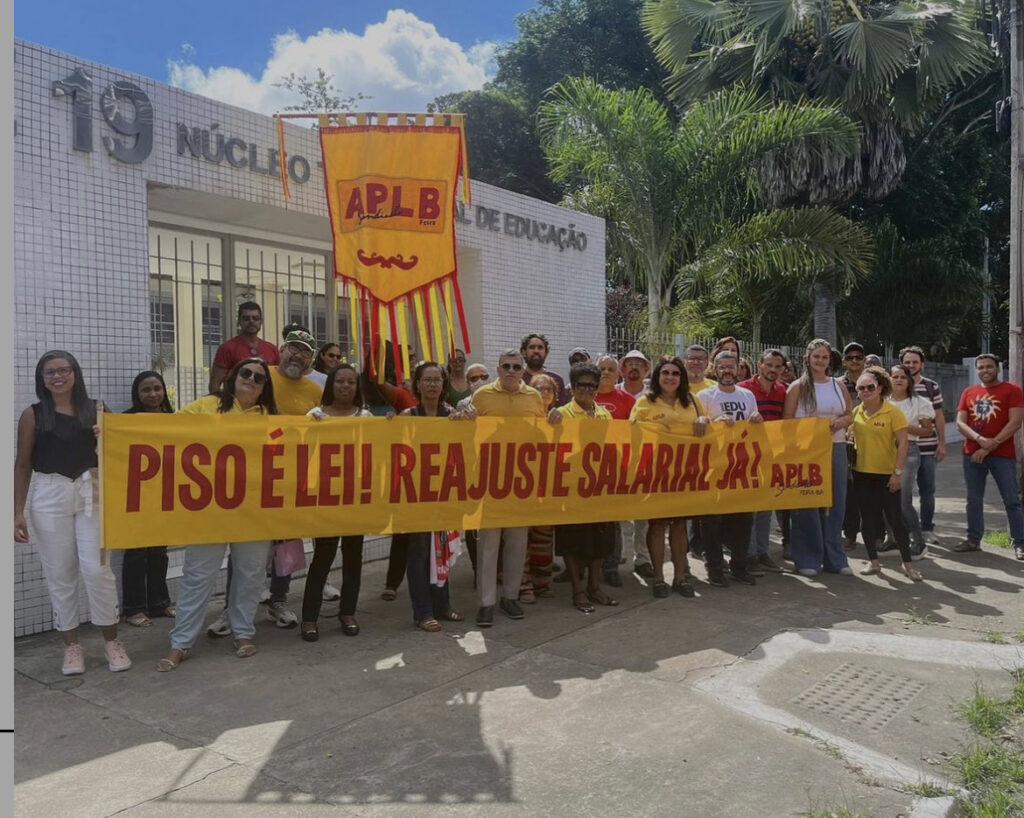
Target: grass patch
x=926, y=789
x=991, y=769
x=916, y=618
x=995, y=637
x=985, y=714
x=1020, y=636
x=1000, y=539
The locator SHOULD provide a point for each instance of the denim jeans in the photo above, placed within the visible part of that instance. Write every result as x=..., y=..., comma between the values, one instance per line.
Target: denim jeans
x=910, y=472
x=144, y=580
x=198, y=575
x=816, y=532
x=397, y=556
x=926, y=491
x=427, y=599
x=721, y=531
x=760, y=531
x=1004, y=472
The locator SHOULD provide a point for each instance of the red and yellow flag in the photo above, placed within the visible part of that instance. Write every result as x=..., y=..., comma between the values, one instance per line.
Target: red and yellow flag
x=391, y=196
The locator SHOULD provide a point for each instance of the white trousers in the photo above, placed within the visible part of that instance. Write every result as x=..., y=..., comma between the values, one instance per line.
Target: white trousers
x=63, y=520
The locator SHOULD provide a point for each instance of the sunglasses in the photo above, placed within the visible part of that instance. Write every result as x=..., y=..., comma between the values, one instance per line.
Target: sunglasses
x=257, y=378
x=671, y=373
x=586, y=387
x=871, y=387
x=854, y=358
x=475, y=378
x=512, y=367
x=332, y=354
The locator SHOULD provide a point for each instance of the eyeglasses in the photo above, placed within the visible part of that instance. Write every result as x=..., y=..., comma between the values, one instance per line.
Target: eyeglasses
x=475, y=378
x=870, y=387
x=586, y=387
x=432, y=381
x=59, y=372
x=671, y=373
x=459, y=360
x=578, y=359
x=332, y=354
x=298, y=349
x=257, y=378
x=854, y=358
x=511, y=367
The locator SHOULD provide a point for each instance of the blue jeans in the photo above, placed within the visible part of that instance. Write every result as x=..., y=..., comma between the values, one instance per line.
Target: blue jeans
x=911, y=469
x=816, y=539
x=1004, y=472
x=427, y=599
x=926, y=491
x=198, y=575
x=760, y=531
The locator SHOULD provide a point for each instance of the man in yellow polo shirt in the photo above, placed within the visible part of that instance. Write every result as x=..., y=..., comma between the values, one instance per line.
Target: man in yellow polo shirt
x=505, y=397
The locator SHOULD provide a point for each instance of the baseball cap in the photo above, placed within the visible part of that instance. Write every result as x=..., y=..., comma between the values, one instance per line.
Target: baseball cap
x=853, y=346
x=578, y=351
x=300, y=336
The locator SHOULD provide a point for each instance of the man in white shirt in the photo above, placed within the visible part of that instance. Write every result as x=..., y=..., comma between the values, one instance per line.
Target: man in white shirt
x=725, y=402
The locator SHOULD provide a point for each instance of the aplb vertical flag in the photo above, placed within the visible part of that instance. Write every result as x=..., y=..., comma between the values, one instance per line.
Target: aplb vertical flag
x=391, y=195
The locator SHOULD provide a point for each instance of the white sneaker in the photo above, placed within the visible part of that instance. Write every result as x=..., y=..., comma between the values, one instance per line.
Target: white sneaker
x=279, y=614
x=74, y=660
x=265, y=596
x=331, y=594
x=846, y=571
x=220, y=626
x=117, y=656
x=807, y=572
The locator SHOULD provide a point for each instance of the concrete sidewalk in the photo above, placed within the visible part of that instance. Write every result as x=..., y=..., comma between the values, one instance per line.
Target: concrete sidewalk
x=767, y=701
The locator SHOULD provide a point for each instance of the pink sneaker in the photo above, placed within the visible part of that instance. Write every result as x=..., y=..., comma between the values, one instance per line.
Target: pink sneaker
x=74, y=660
x=117, y=656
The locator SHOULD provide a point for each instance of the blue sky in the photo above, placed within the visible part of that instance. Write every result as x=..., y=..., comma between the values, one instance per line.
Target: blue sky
x=401, y=53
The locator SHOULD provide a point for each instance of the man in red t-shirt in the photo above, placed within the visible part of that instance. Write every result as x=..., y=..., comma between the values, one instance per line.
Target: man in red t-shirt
x=988, y=416
x=770, y=395
x=244, y=345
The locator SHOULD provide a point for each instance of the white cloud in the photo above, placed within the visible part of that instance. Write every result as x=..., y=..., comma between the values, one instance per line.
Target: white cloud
x=402, y=63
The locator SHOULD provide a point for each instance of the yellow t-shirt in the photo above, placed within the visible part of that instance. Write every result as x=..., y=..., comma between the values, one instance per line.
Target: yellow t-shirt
x=294, y=396
x=208, y=405
x=875, y=438
x=574, y=410
x=491, y=399
x=662, y=411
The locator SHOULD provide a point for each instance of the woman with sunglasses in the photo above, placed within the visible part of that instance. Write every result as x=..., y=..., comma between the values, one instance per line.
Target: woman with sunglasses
x=815, y=533
x=248, y=390
x=342, y=398
x=920, y=415
x=144, y=570
x=327, y=357
x=668, y=402
x=881, y=439
x=55, y=474
x=430, y=600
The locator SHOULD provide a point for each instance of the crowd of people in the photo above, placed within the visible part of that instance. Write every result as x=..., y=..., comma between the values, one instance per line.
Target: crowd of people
x=887, y=427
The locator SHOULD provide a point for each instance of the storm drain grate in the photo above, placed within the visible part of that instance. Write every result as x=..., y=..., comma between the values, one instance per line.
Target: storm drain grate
x=870, y=698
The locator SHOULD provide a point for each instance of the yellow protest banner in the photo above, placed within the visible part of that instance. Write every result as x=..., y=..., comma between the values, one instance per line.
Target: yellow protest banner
x=178, y=480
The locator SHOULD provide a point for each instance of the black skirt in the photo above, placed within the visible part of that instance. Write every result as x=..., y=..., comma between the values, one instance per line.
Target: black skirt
x=585, y=541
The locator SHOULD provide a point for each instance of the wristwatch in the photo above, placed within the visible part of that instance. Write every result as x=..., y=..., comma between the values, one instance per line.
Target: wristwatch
x=897, y=472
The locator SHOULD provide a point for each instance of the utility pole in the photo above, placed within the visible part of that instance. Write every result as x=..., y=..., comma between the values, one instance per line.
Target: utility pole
x=986, y=303
x=1016, y=334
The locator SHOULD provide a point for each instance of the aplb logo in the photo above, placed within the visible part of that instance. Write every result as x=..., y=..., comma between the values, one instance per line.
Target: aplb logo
x=387, y=203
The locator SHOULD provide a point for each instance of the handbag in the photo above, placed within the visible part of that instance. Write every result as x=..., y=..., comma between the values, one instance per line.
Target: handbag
x=289, y=557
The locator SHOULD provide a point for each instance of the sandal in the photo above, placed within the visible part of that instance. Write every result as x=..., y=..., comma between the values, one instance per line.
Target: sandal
x=348, y=628
x=452, y=615
x=543, y=592
x=869, y=569
x=429, y=624
x=170, y=661
x=913, y=573
x=169, y=611
x=244, y=648
x=581, y=604
x=660, y=589
x=527, y=596
x=600, y=598
x=139, y=620
x=388, y=594
x=309, y=631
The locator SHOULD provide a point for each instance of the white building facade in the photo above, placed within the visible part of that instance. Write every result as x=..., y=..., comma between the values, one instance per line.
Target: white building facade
x=145, y=214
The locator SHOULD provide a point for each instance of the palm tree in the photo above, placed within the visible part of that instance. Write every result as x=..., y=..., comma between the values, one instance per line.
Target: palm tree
x=888, y=65
x=687, y=200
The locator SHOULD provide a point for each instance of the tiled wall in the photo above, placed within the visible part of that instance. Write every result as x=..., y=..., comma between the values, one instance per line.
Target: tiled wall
x=81, y=269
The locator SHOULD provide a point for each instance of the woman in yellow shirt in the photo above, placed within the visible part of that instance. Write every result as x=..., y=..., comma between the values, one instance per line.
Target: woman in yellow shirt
x=880, y=440
x=247, y=389
x=669, y=403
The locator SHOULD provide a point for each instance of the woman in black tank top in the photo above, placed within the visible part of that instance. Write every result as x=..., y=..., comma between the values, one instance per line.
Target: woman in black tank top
x=55, y=478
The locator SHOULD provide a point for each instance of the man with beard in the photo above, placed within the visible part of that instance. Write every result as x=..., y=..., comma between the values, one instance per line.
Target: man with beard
x=634, y=369
x=931, y=447
x=988, y=416
x=770, y=396
x=725, y=402
x=534, y=349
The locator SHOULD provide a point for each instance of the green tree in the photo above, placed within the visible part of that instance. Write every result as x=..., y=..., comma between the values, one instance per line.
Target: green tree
x=687, y=197
x=502, y=142
x=317, y=94
x=889, y=65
